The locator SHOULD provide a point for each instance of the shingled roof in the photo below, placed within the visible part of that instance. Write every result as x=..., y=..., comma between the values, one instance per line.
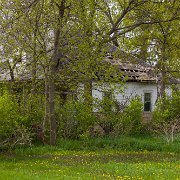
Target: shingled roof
x=134, y=71
x=133, y=68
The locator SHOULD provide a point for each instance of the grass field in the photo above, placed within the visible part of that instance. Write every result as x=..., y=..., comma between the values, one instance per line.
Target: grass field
x=104, y=163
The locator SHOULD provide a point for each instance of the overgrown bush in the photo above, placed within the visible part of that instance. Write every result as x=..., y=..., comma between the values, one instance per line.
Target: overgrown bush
x=166, y=116
x=16, y=118
x=109, y=114
x=74, y=118
x=107, y=121
x=130, y=120
x=120, y=119
x=20, y=136
x=10, y=116
x=33, y=108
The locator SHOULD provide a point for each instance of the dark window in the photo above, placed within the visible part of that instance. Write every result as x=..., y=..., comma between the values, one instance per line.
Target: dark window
x=147, y=101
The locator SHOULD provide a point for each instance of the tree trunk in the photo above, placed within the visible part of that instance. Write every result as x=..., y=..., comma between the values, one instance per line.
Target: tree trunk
x=53, y=125
x=34, y=72
x=46, y=117
x=163, y=67
x=163, y=81
x=52, y=76
x=53, y=71
x=34, y=60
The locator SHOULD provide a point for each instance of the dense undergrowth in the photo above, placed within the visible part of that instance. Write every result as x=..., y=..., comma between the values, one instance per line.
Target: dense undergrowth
x=78, y=128
x=123, y=143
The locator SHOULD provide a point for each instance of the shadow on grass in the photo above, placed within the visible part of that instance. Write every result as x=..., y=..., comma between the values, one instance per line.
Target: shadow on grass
x=71, y=158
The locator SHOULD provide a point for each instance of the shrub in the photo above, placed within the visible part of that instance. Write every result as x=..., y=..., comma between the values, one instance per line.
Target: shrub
x=21, y=136
x=166, y=116
x=130, y=120
x=10, y=116
x=74, y=118
x=110, y=112
x=17, y=117
x=33, y=109
x=106, y=121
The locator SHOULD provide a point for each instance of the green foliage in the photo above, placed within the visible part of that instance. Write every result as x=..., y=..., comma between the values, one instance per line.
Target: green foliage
x=20, y=136
x=85, y=26
x=10, y=116
x=123, y=143
x=74, y=118
x=120, y=119
x=16, y=118
x=108, y=112
x=167, y=108
x=33, y=108
x=107, y=121
x=130, y=119
x=166, y=116
x=133, y=113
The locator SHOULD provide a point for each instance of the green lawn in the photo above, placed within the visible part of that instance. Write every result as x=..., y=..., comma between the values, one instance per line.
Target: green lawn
x=49, y=163
x=95, y=158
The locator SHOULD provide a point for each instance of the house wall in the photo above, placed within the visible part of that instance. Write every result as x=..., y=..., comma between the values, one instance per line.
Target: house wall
x=129, y=90
x=133, y=89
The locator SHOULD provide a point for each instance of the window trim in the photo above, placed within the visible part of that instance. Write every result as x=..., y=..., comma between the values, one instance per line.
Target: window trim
x=150, y=101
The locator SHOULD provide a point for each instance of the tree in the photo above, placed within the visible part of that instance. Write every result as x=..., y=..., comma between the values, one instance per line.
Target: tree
x=51, y=34
x=166, y=117
x=158, y=44
x=66, y=40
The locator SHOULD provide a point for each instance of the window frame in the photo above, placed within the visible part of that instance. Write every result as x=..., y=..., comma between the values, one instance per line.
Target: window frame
x=147, y=108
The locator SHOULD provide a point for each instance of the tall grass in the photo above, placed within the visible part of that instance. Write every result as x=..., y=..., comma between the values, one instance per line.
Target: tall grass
x=119, y=144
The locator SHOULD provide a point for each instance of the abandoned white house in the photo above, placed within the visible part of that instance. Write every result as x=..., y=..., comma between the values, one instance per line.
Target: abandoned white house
x=139, y=79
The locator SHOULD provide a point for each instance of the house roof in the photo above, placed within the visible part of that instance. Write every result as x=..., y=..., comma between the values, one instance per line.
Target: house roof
x=133, y=71
x=130, y=71
x=131, y=68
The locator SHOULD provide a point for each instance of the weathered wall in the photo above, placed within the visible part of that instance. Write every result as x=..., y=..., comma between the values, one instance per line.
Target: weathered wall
x=129, y=90
x=138, y=88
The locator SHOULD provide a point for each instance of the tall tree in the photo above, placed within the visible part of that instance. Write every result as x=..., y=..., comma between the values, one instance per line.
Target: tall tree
x=158, y=44
x=63, y=40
